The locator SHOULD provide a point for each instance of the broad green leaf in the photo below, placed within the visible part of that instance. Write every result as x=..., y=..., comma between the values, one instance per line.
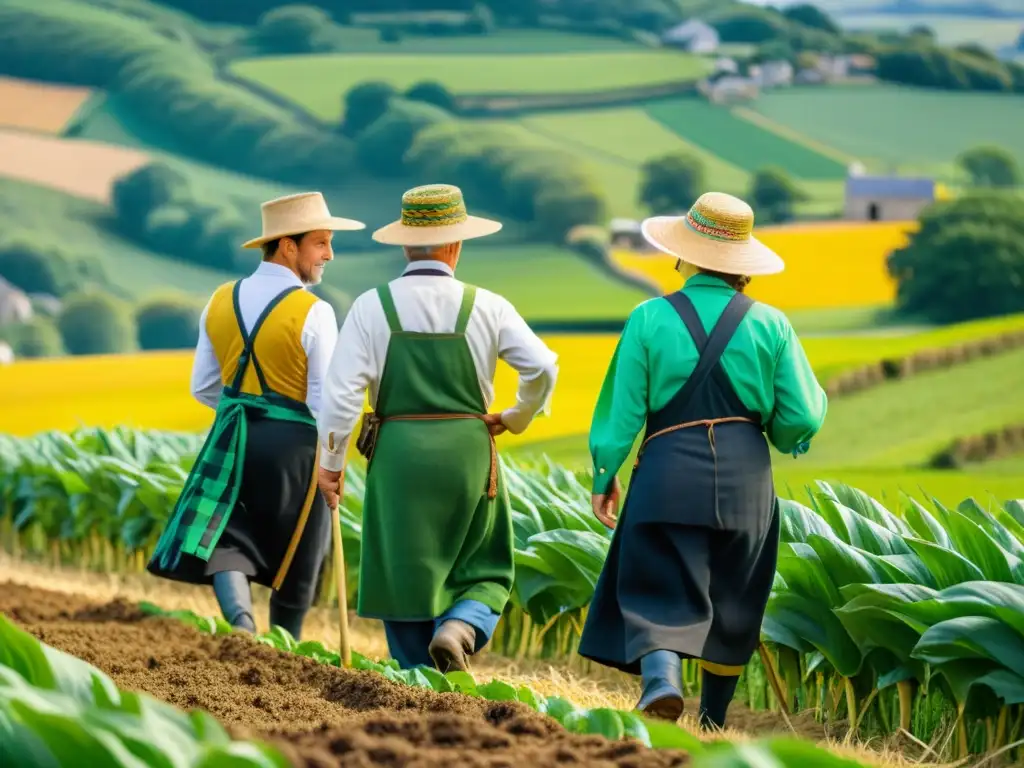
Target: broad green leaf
x=498, y=691
x=605, y=722
x=633, y=727
x=438, y=681
x=822, y=629
x=946, y=566
x=972, y=637
x=462, y=682
x=559, y=708
x=665, y=735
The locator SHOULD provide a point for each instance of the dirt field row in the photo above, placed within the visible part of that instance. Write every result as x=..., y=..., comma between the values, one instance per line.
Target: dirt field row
x=320, y=715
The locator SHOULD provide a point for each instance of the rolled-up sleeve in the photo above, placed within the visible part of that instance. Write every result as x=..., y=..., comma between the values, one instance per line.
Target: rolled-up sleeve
x=800, y=401
x=206, y=375
x=348, y=375
x=533, y=360
x=621, y=409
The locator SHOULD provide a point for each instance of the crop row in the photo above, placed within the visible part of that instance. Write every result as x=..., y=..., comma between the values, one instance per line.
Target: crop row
x=58, y=710
x=879, y=620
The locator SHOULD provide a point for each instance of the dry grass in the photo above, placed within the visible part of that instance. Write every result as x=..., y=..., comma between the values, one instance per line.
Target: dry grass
x=598, y=688
x=37, y=106
x=85, y=169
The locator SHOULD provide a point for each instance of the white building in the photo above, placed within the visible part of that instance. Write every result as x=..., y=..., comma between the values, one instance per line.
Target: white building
x=693, y=36
x=773, y=74
x=887, y=198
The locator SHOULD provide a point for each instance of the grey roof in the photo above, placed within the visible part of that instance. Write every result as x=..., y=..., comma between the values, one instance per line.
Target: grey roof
x=890, y=187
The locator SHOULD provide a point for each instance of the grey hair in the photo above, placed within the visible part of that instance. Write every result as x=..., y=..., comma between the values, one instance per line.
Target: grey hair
x=421, y=251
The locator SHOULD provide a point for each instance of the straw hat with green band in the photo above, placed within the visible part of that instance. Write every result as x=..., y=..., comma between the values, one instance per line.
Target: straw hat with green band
x=716, y=234
x=434, y=214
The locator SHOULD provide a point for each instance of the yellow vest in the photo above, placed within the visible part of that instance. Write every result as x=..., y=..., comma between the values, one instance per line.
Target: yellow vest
x=278, y=346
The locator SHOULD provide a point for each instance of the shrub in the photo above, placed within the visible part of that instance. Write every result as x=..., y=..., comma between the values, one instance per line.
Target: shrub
x=364, y=105
x=382, y=147
x=671, y=183
x=294, y=29
x=93, y=322
x=965, y=261
x=168, y=322
x=38, y=337
x=434, y=93
x=34, y=267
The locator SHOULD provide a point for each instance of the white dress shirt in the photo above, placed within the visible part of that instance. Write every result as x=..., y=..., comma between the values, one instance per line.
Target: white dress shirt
x=430, y=304
x=319, y=334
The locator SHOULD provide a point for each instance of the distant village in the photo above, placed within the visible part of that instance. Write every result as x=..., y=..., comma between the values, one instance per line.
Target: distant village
x=733, y=82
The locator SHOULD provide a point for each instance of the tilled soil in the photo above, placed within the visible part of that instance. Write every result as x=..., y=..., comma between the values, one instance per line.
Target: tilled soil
x=318, y=715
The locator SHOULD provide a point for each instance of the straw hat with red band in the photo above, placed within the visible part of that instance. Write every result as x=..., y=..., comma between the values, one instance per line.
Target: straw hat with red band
x=716, y=234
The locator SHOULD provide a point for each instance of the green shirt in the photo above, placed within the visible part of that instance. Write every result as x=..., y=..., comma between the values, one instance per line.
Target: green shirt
x=764, y=361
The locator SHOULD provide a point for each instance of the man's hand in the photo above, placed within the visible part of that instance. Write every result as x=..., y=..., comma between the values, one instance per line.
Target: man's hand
x=330, y=486
x=606, y=505
x=494, y=424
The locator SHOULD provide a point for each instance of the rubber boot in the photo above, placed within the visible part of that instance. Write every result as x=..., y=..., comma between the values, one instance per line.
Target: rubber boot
x=235, y=599
x=288, y=618
x=452, y=645
x=716, y=695
x=662, y=695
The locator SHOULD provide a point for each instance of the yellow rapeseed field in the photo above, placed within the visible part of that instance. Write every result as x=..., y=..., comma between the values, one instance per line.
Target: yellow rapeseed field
x=828, y=265
x=151, y=390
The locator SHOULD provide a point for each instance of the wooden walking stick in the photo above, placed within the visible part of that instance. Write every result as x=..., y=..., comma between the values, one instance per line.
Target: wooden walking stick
x=339, y=577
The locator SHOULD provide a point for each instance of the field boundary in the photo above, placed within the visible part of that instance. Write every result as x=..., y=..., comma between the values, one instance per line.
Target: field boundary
x=872, y=375
x=508, y=104
x=765, y=123
x=980, y=448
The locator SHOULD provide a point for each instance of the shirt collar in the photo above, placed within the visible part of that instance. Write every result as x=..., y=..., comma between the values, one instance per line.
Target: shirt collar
x=428, y=264
x=270, y=269
x=706, y=281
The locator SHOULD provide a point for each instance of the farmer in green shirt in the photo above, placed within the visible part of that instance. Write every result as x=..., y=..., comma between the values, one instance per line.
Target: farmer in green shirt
x=716, y=377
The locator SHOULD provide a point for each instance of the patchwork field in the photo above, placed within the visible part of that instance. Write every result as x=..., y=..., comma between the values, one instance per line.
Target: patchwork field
x=720, y=131
x=319, y=82
x=80, y=168
x=882, y=125
x=35, y=106
x=828, y=265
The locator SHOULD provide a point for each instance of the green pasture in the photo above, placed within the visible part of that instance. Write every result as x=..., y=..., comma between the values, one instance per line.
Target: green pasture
x=950, y=29
x=891, y=125
x=319, y=82
x=721, y=132
x=542, y=282
x=615, y=143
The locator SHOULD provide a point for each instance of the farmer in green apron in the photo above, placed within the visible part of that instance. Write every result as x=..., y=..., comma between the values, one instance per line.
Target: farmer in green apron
x=250, y=510
x=436, y=563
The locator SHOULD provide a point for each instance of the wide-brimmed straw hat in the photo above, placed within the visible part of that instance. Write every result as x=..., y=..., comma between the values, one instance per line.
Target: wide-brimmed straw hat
x=293, y=214
x=434, y=214
x=716, y=234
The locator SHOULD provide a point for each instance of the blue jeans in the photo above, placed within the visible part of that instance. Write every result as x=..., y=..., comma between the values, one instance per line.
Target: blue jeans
x=408, y=640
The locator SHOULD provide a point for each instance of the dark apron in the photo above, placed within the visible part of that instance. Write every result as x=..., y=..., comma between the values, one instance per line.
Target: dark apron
x=280, y=460
x=692, y=560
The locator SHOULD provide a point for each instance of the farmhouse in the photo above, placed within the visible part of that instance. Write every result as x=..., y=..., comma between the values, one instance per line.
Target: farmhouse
x=772, y=74
x=625, y=233
x=727, y=89
x=693, y=36
x=887, y=198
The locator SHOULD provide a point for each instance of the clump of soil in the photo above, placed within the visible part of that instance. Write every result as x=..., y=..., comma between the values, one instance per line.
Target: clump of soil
x=318, y=715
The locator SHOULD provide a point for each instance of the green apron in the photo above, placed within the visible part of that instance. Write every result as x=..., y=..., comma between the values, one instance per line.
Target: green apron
x=211, y=490
x=437, y=523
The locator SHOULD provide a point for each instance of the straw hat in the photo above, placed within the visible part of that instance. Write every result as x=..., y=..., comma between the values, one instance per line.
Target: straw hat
x=716, y=234
x=293, y=214
x=434, y=214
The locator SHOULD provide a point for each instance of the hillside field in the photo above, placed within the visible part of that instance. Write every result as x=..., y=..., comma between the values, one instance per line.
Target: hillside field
x=949, y=29
x=889, y=125
x=35, y=106
x=828, y=265
x=319, y=82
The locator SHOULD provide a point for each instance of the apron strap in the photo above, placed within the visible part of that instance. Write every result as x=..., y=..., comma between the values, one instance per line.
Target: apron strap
x=249, y=339
x=468, y=298
x=711, y=348
x=388, y=303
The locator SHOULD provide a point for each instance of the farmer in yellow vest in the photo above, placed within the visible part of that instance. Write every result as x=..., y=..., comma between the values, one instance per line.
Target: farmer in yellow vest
x=716, y=377
x=250, y=510
x=436, y=563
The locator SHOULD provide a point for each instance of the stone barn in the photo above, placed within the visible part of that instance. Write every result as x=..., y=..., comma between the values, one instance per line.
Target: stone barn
x=887, y=198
